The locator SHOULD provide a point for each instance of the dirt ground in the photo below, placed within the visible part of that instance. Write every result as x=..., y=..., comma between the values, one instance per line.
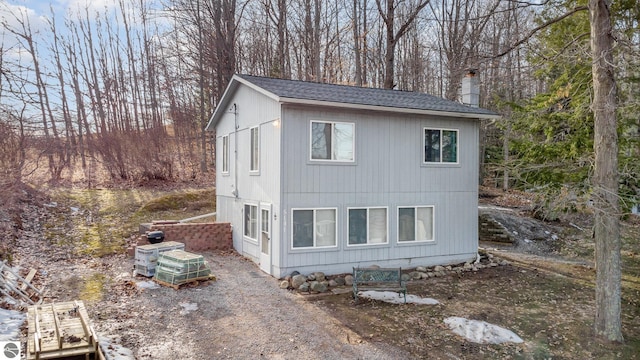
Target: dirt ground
x=545, y=296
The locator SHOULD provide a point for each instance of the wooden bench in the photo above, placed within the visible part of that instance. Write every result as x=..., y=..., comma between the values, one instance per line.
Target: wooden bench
x=378, y=279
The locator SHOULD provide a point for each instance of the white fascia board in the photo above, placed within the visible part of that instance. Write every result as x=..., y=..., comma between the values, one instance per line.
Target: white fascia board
x=228, y=94
x=388, y=108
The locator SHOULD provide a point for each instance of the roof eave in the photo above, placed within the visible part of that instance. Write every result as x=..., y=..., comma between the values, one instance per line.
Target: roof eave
x=388, y=108
x=234, y=83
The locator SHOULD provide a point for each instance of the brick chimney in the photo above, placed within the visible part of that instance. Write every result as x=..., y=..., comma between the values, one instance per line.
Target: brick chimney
x=471, y=89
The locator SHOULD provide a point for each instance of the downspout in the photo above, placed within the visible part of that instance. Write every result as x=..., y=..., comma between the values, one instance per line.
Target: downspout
x=234, y=109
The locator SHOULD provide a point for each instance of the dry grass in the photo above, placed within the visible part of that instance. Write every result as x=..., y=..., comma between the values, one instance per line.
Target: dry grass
x=552, y=313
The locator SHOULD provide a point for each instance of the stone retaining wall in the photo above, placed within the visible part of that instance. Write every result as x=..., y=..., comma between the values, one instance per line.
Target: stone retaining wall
x=196, y=237
x=319, y=283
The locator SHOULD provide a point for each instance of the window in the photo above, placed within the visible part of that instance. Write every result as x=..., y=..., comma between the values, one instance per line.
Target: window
x=440, y=146
x=251, y=221
x=415, y=223
x=255, y=146
x=314, y=228
x=367, y=226
x=225, y=154
x=332, y=141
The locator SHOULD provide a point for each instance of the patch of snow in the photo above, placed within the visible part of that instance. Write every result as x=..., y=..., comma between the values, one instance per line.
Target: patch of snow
x=147, y=285
x=547, y=232
x=527, y=241
x=10, y=322
x=492, y=207
x=188, y=307
x=74, y=210
x=515, y=232
x=113, y=351
x=392, y=297
x=480, y=331
x=52, y=204
x=554, y=237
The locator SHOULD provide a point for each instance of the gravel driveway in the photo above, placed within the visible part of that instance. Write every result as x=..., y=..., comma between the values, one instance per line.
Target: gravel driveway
x=242, y=315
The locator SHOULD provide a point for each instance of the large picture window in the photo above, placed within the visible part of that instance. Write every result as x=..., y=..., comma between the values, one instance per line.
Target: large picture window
x=255, y=149
x=251, y=221
x=440, y=146
x=367, y=226
x=225, y=154
x=314, y=228
x=332, y=141
x=415, y=223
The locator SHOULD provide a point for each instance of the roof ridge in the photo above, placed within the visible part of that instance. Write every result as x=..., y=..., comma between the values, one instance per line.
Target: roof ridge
x=342, y=85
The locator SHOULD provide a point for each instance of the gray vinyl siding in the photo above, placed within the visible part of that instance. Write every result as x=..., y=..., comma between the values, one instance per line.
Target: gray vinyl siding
x=255, y=188
x=388, y=171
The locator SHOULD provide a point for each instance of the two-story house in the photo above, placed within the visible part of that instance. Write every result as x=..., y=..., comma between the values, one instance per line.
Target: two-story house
x=322, y=177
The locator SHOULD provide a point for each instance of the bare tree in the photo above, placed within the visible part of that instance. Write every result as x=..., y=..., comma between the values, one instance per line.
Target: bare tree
x=605, y=181
x=388, y=14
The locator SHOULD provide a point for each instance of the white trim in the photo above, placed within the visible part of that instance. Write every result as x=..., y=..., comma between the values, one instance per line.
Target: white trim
x=368, y=225
x=225, y=157
x=314, y=247
x=433, y=225
x=457, y=162
x=255, y=171
x=333, y=123
x=244, y=229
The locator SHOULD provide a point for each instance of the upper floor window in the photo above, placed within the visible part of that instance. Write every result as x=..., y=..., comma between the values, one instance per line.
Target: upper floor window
x=367, y=226
x=332, y=141
x=255, y=149
x=440, y=146
x=313, y=228
x=225, y=154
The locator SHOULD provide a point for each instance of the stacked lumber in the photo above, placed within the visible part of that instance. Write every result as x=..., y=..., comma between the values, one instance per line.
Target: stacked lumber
x=60, y=331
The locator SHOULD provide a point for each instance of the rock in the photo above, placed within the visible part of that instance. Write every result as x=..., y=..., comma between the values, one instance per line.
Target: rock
x=340, y=281
x=490, y=256
x=318, y=286
x=319, y=276
x=431, y=274
x=284, y=284
x=438, y=268
x=467, y=266
x=333, y=283
x=405, y=277
x=480, y=266
x=424, y=275
x=288, y=277
x=504, y=262
x=348, y=280
x=493, y=264
x=448, y=268
x=298, y=280
x=311, y=277
x=421, y=269
x=304, y=287
x=415, y=275
x=442, y=273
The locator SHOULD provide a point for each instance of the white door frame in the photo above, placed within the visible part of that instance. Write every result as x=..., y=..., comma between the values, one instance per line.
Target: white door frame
x=264, y=238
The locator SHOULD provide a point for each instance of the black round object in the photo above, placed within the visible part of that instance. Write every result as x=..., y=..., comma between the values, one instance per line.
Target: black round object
x=155, y=237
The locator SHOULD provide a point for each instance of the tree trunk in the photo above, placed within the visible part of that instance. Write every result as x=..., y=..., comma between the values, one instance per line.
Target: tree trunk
x=605, y=182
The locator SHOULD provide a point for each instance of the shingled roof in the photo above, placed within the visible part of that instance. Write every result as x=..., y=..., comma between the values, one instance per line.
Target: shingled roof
x=305, y=92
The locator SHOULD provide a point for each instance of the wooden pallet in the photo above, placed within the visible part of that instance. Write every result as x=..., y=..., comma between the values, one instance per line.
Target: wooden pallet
x=60, y=331
x=18, y=288
x=177, y=286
